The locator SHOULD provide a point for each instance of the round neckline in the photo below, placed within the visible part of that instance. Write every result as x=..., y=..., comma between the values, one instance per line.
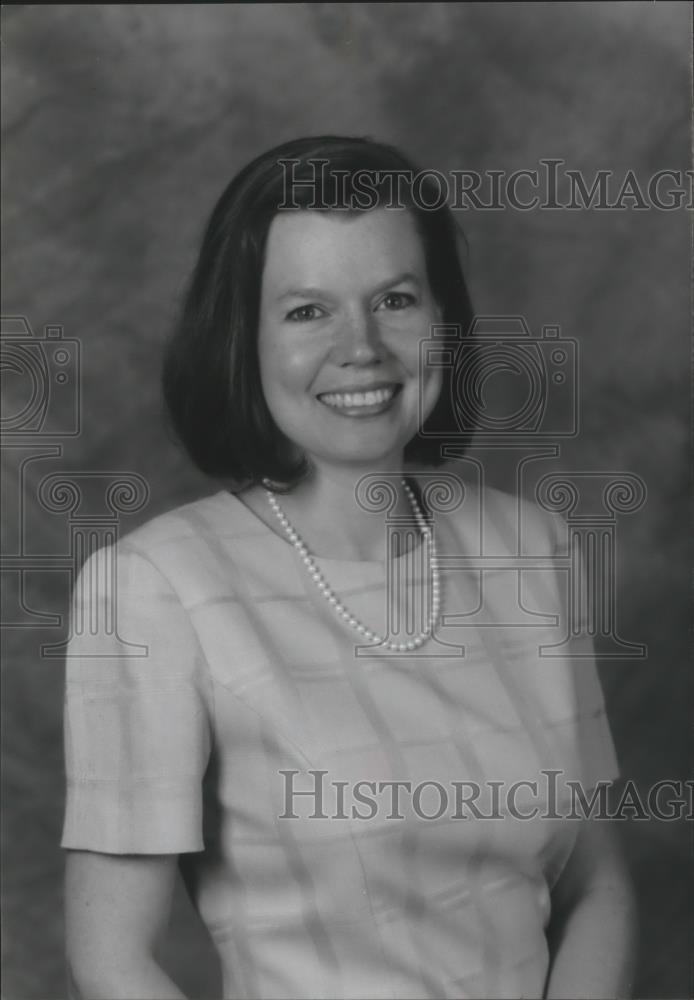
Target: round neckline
x=253, y=518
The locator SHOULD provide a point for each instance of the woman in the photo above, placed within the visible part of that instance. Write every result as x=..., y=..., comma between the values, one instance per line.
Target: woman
x=279, y=684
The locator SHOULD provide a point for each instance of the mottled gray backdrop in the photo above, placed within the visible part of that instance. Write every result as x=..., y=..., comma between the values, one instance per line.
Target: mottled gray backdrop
x=121, y=125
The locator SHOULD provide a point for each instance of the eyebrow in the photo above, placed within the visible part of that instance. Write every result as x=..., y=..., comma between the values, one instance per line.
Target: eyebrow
x=318, y=293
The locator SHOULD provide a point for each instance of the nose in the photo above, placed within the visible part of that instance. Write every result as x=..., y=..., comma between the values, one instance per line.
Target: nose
x=358, y=340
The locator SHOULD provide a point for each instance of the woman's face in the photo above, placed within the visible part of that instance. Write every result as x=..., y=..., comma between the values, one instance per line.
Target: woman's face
x=345, y=303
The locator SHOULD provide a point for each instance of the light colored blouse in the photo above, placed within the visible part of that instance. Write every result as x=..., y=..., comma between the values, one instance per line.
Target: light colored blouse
x=228, y=686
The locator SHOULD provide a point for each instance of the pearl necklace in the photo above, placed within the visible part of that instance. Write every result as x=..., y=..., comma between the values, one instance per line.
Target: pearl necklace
x=336, y=604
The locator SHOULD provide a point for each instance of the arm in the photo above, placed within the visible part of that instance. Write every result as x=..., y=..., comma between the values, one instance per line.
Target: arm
x=116, y=907
x=591, y=932
x=137, y=743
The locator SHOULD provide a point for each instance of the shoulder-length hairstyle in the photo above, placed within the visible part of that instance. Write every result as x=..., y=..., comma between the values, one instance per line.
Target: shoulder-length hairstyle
x=211, y=375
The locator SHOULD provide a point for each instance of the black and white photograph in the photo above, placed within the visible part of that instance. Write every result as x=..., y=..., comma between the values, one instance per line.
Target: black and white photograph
x=346, y=501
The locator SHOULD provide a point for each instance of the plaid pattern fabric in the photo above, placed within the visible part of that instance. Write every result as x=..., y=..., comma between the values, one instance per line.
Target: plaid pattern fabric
x=248, y=674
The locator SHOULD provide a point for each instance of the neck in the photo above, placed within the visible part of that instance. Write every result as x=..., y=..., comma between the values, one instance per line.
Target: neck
x=325, y=511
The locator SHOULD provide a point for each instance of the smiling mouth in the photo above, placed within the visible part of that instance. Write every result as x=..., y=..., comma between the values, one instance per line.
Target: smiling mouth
x=361, y=403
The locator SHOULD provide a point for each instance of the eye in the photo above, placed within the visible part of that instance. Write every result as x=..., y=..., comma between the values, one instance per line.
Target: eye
x=303, y=314
x=397, y=300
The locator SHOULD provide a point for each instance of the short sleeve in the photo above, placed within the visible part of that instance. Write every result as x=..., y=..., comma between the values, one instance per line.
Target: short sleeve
x=137, y=720
x=595, y=750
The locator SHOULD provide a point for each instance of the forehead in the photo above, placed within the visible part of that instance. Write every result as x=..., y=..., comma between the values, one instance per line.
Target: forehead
x=341, y=243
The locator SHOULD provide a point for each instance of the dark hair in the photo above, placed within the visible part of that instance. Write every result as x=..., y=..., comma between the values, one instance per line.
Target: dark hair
x=211, y=376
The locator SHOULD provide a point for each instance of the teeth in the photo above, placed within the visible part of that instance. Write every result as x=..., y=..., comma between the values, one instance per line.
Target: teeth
x=348, y=399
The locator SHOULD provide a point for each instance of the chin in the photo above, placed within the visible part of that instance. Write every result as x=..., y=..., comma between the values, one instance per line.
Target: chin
x=372, y=458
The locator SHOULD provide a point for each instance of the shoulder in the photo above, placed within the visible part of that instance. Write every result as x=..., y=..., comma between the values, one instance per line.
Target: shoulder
x=506, y=521
x=170, y=547
x=205, y=518
x=519, y=518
